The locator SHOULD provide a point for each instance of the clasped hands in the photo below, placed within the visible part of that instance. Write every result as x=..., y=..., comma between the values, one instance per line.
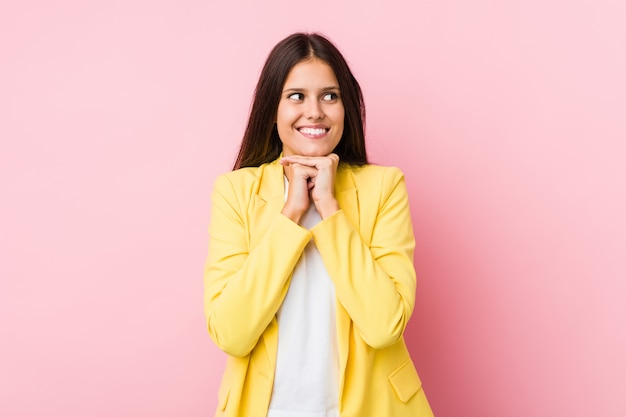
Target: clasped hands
x=311, y=179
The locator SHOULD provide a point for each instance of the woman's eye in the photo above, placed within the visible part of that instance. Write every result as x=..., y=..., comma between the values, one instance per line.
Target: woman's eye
x=296, y=96
x=330, y=96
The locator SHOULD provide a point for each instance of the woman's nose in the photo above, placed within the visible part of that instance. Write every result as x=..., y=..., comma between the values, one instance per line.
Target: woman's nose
x=314, y=110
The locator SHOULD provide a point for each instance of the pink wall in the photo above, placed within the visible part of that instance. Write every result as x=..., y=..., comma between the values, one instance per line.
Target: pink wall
x=507, y=118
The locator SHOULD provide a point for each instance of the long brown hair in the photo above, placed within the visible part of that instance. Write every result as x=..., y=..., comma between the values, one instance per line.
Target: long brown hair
x=261, y=143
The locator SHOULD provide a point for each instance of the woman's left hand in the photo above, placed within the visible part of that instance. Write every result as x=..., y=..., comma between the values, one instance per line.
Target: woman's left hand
x=323, y=190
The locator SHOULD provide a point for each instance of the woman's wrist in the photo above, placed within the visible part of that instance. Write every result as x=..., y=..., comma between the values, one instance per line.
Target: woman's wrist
x=292, y=213
x=327, y=207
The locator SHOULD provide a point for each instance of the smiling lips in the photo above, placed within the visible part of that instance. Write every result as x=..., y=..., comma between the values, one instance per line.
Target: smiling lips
x=313, y=132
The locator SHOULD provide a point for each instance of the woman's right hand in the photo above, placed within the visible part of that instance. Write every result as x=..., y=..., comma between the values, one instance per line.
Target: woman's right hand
x=301, y=180
x=313, y=180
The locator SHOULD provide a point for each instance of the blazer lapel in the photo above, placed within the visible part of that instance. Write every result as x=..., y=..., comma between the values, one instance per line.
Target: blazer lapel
x=272, y=182
x=268, y=201
x=346, y=194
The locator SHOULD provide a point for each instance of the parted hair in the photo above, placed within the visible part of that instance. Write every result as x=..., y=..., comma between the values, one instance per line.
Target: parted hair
x=261, y=143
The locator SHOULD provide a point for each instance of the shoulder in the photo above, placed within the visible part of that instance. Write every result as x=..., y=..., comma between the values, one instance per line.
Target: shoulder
x=372, y=170
x=239, y=183
x=368, y=176
x=240, y=176
x=243, y=184
x=248, y=176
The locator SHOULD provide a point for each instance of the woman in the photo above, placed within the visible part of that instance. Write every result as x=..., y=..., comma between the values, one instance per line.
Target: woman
x=309, y=282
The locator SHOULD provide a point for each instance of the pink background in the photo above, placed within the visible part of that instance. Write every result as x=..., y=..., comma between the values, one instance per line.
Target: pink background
x=507, y=118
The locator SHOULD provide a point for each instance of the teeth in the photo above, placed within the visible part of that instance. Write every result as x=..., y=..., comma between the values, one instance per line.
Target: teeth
x=312, y=131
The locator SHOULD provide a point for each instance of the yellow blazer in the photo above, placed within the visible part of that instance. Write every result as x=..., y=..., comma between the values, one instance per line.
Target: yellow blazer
x=367, y=248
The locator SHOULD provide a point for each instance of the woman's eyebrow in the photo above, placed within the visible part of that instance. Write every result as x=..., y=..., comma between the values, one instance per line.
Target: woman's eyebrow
x=299, y=90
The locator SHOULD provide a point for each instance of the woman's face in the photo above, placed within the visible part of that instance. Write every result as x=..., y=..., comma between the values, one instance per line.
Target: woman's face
x=310, y=112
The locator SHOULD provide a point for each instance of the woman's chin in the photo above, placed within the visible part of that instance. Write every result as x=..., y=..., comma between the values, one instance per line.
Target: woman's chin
x=315, y=152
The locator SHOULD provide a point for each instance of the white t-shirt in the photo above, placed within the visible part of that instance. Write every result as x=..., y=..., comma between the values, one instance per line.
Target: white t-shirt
x=307, y=364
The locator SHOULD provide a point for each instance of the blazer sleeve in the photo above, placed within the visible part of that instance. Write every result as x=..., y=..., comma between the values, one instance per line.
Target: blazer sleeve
x=375, y=281
x=245, y=287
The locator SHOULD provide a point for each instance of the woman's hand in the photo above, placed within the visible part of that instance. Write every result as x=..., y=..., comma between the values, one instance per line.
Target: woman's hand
x=310, y=177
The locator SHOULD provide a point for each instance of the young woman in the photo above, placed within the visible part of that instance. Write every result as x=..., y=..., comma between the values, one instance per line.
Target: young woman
x=309, y=281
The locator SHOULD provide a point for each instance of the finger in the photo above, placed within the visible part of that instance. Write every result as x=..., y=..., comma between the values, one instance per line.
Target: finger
x=306, y=157
x=310, y=171
x=311, y=161
x=305, y=160
x=301, y=172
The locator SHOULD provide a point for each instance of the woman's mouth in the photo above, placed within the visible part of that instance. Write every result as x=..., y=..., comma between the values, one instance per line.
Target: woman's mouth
x=313, y=132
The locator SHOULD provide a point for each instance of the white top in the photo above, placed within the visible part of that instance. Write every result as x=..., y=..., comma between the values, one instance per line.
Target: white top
x=307, y=363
